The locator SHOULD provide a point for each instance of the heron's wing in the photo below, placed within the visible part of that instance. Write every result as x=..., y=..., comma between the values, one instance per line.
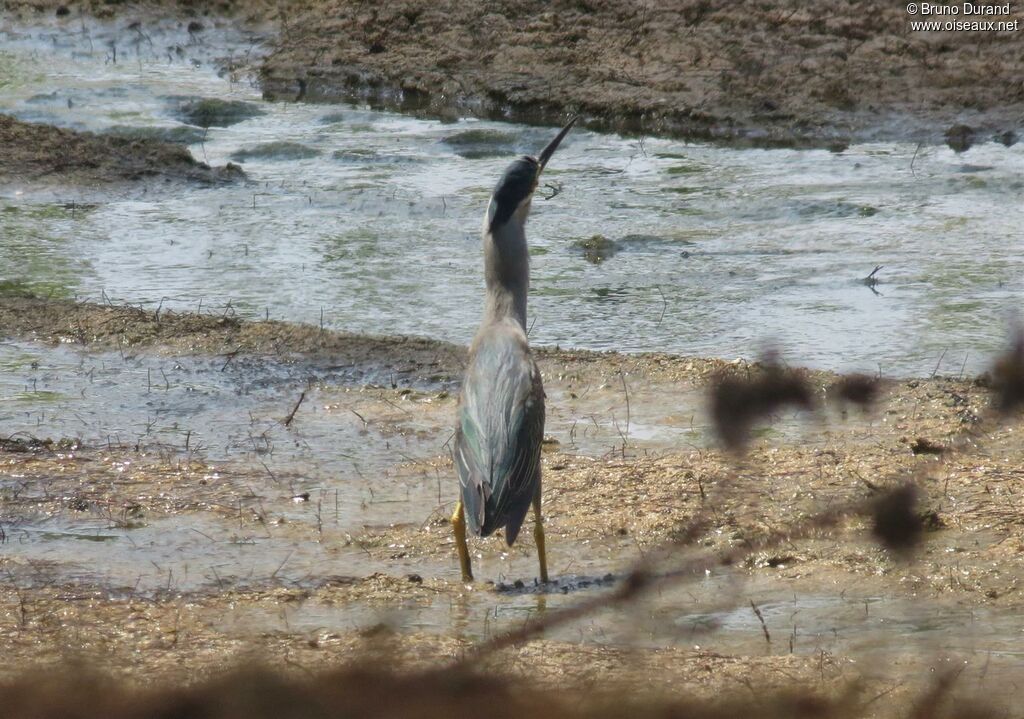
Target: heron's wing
x=498, y=438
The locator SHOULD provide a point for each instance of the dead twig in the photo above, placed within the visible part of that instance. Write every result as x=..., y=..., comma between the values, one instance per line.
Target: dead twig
x=291, y=415
x=230, y=356
x=764, y=627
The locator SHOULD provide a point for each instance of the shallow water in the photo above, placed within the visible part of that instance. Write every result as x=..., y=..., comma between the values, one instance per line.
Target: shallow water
x=719, y=251
x=354, y=456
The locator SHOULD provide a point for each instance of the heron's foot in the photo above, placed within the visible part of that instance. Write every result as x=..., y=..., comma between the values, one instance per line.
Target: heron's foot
x=459, y=527
x=538, y=537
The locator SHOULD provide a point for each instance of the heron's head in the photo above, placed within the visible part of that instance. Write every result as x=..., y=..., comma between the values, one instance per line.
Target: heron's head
x=511, y=199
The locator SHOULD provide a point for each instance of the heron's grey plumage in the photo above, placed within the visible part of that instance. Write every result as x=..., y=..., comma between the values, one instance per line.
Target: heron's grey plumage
x=500, y=430
x=501, y=409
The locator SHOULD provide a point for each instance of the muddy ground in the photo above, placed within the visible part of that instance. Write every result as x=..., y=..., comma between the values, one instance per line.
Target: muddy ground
x=756, y=513
x=790, y=73
x=42, y=156
x=780, y=74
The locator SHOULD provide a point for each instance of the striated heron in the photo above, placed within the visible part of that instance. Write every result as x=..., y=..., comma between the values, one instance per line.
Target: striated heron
x=501, y=409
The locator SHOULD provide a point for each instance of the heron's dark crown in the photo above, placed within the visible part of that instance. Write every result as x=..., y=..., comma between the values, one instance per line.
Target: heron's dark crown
x=515, y=186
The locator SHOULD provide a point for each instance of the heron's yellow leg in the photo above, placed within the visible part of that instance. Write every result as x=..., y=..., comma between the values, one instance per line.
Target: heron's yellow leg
x=459, y=526
x=538, y=536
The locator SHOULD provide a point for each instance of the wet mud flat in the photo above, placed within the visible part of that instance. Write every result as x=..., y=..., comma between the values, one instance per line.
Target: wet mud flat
x=37, y=156
x=784, y=74
x=781, y=73
x=183, y=492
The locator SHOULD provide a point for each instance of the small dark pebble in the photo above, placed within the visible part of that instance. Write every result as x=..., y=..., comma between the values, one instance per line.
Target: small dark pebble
x=415, y=578
x=1008, y=138
x=921, y=445
x=62, y=11
x=195, y=26
x=960, y=137
x=518, y=584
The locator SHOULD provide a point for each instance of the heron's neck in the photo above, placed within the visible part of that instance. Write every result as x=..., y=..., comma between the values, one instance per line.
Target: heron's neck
x=507, y=272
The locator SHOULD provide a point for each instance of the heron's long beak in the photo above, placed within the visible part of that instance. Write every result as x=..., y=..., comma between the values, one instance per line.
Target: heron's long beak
x=548, y=151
